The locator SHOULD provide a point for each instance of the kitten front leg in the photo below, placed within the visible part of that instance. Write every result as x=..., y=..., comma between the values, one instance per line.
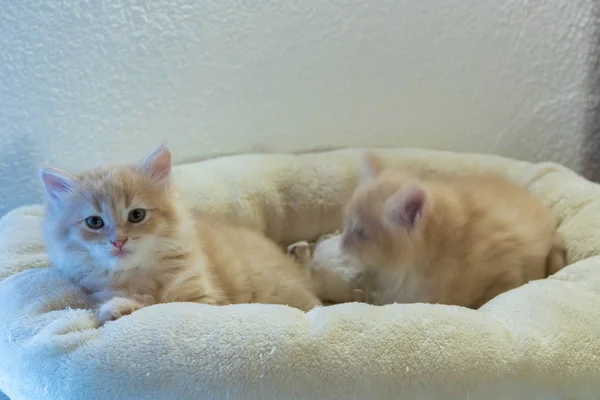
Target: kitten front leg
x=116, y=308
x=193, y=291
x=205, y=300
x=307, y=302
x=199, y=291
x=192, y=285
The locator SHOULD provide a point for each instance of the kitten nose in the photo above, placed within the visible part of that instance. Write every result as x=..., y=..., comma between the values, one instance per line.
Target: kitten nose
x=119, y=243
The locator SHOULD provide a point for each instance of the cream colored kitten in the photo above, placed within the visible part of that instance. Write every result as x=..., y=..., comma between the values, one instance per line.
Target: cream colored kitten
x=458, y=241
x=122, y=233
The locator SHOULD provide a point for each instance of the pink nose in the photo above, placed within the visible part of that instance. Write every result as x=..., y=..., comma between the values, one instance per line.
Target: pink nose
x=119, y=243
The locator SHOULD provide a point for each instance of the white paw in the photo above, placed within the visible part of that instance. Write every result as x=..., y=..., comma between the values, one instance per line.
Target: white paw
x=299, y=251
x=116, y=308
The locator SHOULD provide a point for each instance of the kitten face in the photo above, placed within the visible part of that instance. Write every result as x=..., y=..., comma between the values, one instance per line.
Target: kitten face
x=384, y=219
x=113, y=218
x=365, y=235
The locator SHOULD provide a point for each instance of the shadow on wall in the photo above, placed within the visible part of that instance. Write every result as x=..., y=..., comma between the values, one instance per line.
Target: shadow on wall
x=16, y=155
x=591, y=143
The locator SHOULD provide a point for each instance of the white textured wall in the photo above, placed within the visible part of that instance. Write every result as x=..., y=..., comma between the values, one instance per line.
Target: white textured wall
x=88, y=82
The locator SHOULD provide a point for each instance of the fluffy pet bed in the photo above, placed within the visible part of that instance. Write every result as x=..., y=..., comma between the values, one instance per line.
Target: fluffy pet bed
x=539, y=341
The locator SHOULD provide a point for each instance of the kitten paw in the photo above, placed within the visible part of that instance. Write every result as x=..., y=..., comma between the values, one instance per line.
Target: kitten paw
x=116, y=308
x=299, y=251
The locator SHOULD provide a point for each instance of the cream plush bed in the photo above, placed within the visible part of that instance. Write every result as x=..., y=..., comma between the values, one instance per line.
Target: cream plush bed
x=539, y=341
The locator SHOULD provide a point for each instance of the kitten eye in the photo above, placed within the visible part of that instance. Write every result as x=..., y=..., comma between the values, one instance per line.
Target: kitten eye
x=137, y=215
x=94, y=222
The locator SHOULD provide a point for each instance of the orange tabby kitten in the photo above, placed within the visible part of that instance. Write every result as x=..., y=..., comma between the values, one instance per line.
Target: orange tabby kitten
x=122, y=233
x=458, y=241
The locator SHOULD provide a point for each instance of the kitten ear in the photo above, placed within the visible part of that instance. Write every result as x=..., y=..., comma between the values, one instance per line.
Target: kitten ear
x=157, y=165
x=372, y=166
x=406, y=207
x=58, y=184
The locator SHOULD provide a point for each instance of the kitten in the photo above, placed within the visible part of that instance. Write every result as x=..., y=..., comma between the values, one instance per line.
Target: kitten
x=459, y=241
x=122, y=233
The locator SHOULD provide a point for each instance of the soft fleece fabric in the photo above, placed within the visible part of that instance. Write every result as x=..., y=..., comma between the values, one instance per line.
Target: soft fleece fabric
x=539, y=341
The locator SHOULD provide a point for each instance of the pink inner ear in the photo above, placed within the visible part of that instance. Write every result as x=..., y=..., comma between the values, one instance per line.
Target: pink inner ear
x=406, y=206
x=158, y=164
x=58, y=184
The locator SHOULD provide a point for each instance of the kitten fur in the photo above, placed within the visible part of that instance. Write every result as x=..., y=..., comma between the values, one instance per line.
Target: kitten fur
x=459, y=241
x=168, y=256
